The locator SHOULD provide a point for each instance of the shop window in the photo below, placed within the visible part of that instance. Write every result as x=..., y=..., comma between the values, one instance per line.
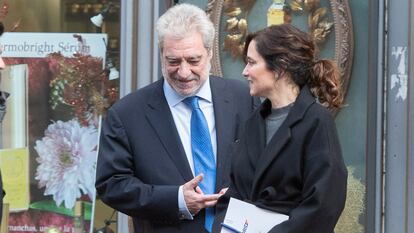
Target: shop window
x=62, y=73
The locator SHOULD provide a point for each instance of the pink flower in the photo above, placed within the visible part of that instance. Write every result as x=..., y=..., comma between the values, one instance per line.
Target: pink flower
x=67, y=161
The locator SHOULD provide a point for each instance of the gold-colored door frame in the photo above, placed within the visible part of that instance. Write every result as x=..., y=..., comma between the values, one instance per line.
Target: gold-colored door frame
x=344, y=38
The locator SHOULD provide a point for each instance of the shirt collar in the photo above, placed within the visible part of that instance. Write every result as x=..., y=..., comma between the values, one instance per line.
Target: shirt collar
x=173, y=98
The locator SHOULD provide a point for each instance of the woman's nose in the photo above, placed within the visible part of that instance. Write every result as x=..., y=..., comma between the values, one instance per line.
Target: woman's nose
x=245, y=73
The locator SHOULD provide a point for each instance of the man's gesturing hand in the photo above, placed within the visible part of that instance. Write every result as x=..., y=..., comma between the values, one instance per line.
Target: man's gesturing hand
x=195, y=199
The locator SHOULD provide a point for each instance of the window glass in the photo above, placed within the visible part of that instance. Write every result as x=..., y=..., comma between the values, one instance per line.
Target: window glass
x=61, y=74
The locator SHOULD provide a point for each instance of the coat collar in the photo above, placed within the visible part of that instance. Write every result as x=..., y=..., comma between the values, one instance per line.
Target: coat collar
x=299, y=108
x=266, y=154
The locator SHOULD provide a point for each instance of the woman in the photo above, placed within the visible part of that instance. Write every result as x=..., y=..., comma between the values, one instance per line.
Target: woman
x=289, y=160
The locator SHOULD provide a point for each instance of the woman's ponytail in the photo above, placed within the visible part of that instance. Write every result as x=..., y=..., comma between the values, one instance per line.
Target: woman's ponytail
x=325, y=83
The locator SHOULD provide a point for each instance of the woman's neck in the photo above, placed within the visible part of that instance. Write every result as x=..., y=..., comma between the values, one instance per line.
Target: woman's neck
x=284, y=94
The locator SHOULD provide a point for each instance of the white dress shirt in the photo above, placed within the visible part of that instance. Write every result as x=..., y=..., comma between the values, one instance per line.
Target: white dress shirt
x=182, y=117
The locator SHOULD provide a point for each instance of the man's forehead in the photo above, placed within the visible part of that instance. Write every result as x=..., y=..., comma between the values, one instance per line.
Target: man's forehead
x=181, y=57
x=190, y=53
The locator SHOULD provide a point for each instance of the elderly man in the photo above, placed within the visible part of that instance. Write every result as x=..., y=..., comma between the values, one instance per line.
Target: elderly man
x=164, y=149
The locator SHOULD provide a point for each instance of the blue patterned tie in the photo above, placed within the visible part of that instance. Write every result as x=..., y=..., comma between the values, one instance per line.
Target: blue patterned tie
x=203, y=156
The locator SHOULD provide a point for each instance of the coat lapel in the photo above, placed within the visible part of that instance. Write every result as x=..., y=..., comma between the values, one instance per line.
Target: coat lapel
x=256, y=136
x=270, y=152
x=224, y=120
x=160, y=118
x=282, y=136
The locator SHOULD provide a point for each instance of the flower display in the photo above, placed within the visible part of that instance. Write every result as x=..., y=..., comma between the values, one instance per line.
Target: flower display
x=80, y=83
x=67, y=161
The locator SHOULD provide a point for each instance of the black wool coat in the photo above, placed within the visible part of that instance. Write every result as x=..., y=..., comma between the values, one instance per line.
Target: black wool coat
x=300, y=172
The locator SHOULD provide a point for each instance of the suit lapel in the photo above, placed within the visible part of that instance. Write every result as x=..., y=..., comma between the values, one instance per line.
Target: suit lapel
x=160, y=118
x=282, y=135
x=224, y=120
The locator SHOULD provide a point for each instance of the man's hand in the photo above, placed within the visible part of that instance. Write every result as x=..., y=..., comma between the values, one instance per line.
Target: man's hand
x=195, y=199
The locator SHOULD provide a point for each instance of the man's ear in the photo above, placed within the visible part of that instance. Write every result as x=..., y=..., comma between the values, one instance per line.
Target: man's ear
x=210, y=53
x=161, y=56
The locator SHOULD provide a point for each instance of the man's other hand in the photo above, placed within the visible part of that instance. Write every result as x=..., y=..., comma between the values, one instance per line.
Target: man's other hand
x=194, y=197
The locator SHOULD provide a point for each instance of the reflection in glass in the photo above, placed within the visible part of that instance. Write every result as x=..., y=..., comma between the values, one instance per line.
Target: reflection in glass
x=14, y=131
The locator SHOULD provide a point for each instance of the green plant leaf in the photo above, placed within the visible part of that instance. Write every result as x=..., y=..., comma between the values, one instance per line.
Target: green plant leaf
x=51, y=206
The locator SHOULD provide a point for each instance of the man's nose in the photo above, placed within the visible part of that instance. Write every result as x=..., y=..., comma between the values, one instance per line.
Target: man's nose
x=2, y=65
x=184, y=69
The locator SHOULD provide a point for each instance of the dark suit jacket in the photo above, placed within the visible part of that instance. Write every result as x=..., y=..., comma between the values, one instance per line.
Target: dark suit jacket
x=142, y=163
x=300, y=172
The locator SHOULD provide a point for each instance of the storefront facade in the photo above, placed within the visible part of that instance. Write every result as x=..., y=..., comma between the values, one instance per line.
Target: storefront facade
x=371, y=40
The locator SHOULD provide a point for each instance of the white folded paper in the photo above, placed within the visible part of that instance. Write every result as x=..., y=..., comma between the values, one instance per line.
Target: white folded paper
x=243, y=217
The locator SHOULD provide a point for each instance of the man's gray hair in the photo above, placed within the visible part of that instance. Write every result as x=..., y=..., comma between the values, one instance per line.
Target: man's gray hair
x=182, y=19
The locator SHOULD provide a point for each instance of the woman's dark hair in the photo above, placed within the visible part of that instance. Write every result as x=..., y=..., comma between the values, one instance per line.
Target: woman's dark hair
x=286, y=49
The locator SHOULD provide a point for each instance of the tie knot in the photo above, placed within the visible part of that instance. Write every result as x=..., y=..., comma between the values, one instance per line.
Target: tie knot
x=192, y=102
